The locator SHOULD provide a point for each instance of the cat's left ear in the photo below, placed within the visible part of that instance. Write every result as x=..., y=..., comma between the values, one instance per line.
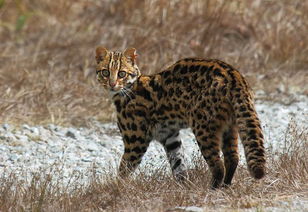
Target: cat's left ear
x=101, y=53
x=131, y=54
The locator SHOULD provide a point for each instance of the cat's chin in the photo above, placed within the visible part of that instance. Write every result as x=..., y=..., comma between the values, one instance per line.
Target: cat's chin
x=113, y=92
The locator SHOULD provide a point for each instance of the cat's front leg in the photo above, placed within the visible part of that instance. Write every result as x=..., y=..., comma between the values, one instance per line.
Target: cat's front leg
x=135, y=145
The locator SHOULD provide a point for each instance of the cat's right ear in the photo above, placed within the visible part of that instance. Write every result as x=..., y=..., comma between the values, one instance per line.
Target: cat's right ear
x=130, y=53
x=101, y=53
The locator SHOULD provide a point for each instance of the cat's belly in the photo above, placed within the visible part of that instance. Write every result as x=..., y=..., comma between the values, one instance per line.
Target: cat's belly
x=165, y=129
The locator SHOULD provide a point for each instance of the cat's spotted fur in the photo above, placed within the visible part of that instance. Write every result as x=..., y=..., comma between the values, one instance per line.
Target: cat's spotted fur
x=208, y=96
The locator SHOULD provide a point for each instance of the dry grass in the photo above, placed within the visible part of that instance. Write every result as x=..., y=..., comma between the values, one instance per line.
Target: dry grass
x=285, y=181
x=47, y=48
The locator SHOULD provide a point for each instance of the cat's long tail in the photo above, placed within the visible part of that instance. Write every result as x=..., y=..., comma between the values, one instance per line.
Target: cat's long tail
x=249, y=128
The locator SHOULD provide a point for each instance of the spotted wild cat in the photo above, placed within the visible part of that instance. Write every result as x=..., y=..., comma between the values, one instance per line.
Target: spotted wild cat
x=208, y=96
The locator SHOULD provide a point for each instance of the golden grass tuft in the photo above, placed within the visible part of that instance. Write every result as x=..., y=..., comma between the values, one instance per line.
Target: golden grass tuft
x=47, y=48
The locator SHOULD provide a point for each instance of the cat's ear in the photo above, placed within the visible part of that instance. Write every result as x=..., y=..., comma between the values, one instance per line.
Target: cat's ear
x=130, y=53
x=101, y=53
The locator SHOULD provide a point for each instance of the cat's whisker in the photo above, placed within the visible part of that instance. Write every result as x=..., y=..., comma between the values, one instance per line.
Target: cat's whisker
x=129, y=91
x=126, y=93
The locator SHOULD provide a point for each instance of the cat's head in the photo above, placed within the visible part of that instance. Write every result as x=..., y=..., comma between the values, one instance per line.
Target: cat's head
x=116, y=71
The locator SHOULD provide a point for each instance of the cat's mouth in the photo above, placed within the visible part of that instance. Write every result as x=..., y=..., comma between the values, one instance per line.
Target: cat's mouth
x=115, y=90
x=118, y=89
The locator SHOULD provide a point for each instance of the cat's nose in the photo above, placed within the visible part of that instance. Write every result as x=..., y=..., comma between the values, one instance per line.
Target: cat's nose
x=112, y=84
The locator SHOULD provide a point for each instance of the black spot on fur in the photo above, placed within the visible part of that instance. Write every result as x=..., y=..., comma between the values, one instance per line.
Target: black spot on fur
x=171, y=92
x=237, y=89
x=233, y=80
x=154, y=85
x=140, y=113
x=184, y=70
x=143, y=127
x=165, y=108
x=140, y=140
x=126, y=139
x=199, y=133
x=246, y=114
x=168, y=81
x=133, y=158
x=178, y=92
x=117, y=103
x=217, y=72
x=121, y=126
x=176, y=68
x=220, y=117
x=145, y=94
x=134, y=126
x=203, y=69
x=137, y=150
x=223, y=65
x=237, y=95
x=166, y=74
x=173, y=146
x=252, y=134
x=130, y=115
x=193, y=69
x=242, y=108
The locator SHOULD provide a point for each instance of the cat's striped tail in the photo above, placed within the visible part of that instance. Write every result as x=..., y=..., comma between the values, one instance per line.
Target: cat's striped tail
x=250, y=130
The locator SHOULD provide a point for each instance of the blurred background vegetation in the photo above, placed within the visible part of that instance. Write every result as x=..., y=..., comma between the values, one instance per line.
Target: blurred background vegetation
x=47, y=48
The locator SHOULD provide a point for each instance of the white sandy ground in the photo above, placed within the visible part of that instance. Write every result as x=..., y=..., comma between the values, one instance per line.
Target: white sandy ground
x=26, y=150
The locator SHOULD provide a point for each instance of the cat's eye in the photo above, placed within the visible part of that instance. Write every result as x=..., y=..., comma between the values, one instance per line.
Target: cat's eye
x=122, y=74
x=105, y=73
